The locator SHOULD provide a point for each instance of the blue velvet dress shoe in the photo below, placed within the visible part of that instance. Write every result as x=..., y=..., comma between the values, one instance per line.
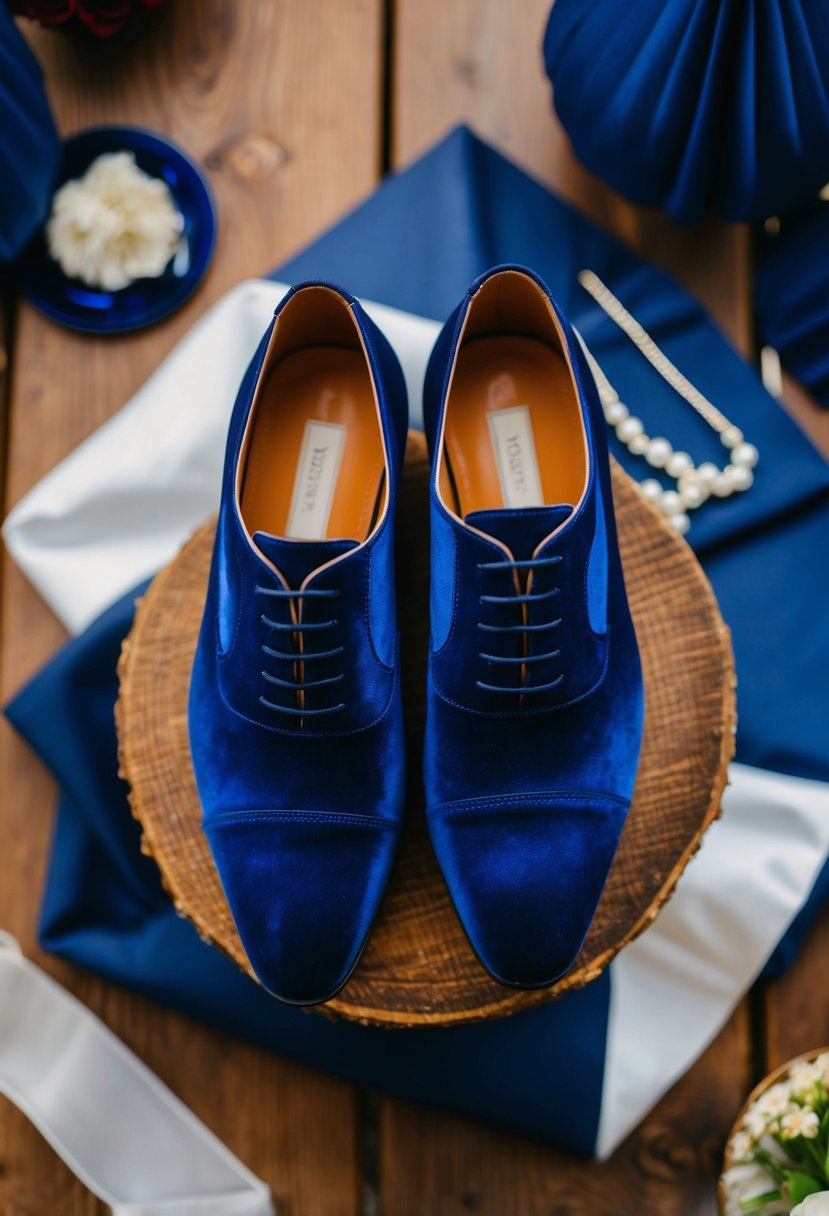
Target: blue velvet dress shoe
x=535, y=700
x=295, y=712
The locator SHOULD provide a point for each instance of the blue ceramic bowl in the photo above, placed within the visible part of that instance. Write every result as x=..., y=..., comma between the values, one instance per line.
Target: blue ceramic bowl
x=73, y=303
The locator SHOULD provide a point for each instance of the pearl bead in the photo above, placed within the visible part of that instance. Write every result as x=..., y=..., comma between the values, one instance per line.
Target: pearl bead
x=731, y=436
x=681, y=522
x=740, y=477
x=745, y=454
x=638, y=445
x=671, y=503
x=721, y=487
x=628, y=429
x=658, y=453
x=678, y=463
x=616, y=412
x=707, y=473
x=651, y=488
x=693, y=495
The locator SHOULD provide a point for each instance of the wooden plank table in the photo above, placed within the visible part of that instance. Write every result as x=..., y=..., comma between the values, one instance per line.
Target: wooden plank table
x=294, y=110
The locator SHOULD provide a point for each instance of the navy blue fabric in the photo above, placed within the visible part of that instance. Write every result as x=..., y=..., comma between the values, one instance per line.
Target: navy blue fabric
x=791, y=295
x=105, y=909
x=29, y=147
x=696, y=105
x=459, y=210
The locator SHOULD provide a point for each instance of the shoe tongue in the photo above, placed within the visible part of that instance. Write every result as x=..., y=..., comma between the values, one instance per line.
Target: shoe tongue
x=521, y=531
x=296, y=559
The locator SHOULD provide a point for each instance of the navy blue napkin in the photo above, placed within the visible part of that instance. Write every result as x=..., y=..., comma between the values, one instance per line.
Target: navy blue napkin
x=29, y=147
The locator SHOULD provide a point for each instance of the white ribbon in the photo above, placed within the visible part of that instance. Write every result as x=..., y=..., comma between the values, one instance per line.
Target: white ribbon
x=117, y=1127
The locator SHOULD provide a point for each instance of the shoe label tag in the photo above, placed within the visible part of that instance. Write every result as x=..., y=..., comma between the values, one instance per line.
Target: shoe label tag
x=315, y=481
x=513, y=442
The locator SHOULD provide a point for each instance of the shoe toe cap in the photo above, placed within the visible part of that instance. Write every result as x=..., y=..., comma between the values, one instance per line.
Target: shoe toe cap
x=526, y=875
x=303, y=889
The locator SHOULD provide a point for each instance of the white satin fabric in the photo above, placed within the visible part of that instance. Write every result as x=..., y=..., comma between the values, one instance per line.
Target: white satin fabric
x=122, y=504
x=120, y=1131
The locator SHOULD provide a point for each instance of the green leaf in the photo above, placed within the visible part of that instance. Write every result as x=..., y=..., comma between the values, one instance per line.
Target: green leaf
x=800, y=1185
x=770, y=1165
x=759, y=1201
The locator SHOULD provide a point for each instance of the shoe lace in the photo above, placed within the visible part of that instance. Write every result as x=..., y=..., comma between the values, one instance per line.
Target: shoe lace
x=299, y=656
x=530, y=624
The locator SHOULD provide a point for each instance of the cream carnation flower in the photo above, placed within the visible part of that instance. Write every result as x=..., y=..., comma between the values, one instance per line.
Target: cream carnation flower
x=114, y=225
x=799, y=1122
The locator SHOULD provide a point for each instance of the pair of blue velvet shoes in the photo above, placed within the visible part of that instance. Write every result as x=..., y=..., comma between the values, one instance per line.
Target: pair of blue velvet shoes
x=535, y=706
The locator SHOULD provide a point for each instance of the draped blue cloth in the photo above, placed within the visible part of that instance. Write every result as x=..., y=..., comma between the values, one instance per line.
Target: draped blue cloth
x=29, y=147
x=696, y=105
x=463, y=208
x=791, y=296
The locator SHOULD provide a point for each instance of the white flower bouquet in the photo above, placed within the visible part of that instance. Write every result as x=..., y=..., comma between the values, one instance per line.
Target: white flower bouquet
x=113, y=225
x=777, y=1158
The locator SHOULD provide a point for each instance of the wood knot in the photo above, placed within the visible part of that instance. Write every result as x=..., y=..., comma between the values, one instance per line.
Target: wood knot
x=251, y=157
x=664, y=1153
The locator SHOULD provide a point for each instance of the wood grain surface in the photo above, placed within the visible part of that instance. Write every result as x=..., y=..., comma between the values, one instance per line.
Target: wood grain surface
x=283, y=103
x=418, y=968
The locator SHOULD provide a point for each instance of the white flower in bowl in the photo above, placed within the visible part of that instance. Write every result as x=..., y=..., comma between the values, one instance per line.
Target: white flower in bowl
x=813, y=1205
x=742, y=1183
x=803, y=1078
x=755, y=1122
x=776, y=1101
x=741, y=1145
x=113, y=225
x=799, y=1122
x=822, y=1065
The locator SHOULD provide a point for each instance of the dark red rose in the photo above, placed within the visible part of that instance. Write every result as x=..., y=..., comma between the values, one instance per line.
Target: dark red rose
x=47, y=12
x=102, y=18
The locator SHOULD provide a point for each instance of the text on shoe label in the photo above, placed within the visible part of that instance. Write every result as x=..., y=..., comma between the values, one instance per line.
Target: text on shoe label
x=513, y=442
x=315, y=481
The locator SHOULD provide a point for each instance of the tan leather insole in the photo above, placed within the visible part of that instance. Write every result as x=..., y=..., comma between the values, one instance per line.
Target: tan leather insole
x=496, y=373
x=321, y=384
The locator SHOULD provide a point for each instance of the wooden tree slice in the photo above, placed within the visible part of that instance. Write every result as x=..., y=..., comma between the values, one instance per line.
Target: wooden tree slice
x=418, y=968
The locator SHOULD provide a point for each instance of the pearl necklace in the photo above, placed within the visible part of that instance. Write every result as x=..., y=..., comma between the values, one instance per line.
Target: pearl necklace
x=694, y=483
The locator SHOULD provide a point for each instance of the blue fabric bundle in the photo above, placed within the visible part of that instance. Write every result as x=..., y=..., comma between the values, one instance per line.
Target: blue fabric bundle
x=791, y=296
x=696, y=105
x=465, y=208
x=29, y=147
